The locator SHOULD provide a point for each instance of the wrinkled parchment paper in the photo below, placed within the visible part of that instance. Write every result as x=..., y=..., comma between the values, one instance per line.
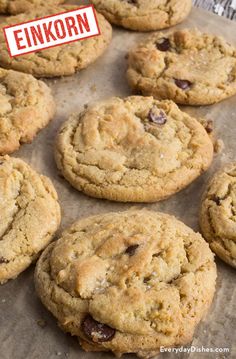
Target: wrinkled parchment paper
x=22, y=316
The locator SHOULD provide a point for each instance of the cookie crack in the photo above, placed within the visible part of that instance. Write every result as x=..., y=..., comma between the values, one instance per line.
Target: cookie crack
x=126, y=167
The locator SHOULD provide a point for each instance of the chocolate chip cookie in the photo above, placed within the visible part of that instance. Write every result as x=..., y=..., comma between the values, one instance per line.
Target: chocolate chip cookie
x=218, y=214
x=60, y=60
x=26, y=106
x=186, y=66
x=143, y=15
x=30, y=215
x=128, y=282
x=135, y=149
x=20, y=6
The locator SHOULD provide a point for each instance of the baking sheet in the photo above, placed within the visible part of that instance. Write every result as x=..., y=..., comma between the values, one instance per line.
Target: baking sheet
x=22, y=316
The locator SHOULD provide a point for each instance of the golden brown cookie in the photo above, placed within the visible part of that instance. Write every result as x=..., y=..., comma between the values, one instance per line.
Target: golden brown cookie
x=29, y=215
x=186, y=66
x=218, y=214
x=135, y=149
x=128, y=282
x=143, y=15
x=26, y=106
x=20, y=6
x=60, y=60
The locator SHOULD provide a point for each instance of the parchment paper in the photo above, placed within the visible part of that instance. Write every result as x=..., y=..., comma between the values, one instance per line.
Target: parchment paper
x=21, y=336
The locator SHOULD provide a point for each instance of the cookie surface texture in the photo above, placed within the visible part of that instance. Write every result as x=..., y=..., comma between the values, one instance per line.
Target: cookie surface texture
x=30, y=215
x=143, y=15
x=61, y=60
x=135, y=149
x=20, y=6
x=217, y=216
x=128, y=282
x=186, y=66
x=26, y=106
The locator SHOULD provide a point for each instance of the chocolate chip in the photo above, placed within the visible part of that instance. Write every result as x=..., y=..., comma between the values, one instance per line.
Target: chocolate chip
x=158, y=118
x=4, y=260
x=209, y=126
x=183, y=84
x=131, y=249
x=217, y=200
x=133, y=2
x=96, y=331
x=163, y=44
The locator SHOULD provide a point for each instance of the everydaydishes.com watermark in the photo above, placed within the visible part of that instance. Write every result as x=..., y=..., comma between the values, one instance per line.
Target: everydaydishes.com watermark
x=51, y=31
x=194, y=349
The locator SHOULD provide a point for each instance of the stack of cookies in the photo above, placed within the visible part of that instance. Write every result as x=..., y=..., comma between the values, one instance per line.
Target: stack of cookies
x=133, y=281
